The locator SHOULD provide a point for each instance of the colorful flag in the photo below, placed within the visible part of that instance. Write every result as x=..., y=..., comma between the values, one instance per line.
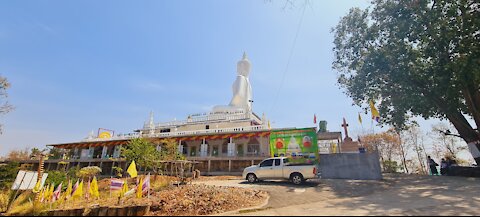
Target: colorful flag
x=94, y=188
x=315, y=118
x=269, y=124
x=375, y=113
x=146, y=184
x=359, y=118
x=68, y=193
x=56, y=193
x=124, y=189
x=42, y=194
x=132, y=169
x=116, y=184
x=140, y=188
x=75, y=187
x=38, y=186
x=79, y=191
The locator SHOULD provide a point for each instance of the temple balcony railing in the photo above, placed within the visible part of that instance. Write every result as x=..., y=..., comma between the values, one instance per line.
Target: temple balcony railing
x=183, y=133
x=207, y=118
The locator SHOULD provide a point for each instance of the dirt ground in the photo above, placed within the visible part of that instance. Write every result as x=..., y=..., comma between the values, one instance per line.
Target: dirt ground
x=396, y=194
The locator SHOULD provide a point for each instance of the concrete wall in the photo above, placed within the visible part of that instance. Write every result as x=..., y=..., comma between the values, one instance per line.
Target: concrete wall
x=361, y=166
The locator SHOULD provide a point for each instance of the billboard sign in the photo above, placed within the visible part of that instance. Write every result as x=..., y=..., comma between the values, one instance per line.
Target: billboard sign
x=300, y=145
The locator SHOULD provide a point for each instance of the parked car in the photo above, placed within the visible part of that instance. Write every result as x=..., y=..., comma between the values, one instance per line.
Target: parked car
x=280, y=168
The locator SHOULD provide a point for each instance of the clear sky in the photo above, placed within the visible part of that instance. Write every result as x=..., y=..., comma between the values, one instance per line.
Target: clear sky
x=76, y=66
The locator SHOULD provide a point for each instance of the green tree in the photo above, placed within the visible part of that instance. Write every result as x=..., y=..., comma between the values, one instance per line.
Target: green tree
x=87, y=173
x=417, y=58
x=142, y=151
x=8, y=173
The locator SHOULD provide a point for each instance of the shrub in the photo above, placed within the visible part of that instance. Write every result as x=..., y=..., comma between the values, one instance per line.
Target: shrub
x=8, y=173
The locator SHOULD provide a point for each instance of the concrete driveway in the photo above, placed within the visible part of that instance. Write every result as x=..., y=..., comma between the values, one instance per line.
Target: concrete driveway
x=395, y=195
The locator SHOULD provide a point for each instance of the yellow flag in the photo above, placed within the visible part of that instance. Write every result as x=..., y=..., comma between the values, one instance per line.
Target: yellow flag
x=269, y=124
x=359, y=118
x=140, y=189
x=68, y=193
x=79, y=192
x=375, y=113
x=132, y=170
x=124, y=189
x=38, y=186
x=94, y=188
x=50, y=192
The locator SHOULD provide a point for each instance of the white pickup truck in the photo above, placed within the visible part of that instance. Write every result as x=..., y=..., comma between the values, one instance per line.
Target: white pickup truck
x=280, y=168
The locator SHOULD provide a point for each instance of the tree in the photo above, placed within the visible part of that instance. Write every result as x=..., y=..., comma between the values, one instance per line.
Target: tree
x=413, y=136
x=417, y=58
x=389, y=148
x=5, y=107
x=18, y=155
x=88, y=172
x=142, y=151
x=445, y=145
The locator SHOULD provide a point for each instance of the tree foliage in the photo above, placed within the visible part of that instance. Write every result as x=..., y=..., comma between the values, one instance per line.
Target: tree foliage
x=18, y=155
x=5, y=107
x=87, y=173
x=8, y=173
x=417, y=58
x=142, y=151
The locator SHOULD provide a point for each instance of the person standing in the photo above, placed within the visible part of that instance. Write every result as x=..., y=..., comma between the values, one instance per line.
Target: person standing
x=433, y=166
x=443, y=167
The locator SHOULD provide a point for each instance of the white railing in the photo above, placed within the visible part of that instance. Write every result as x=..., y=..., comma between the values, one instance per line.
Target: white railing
x=210, y=117
x=183, y=133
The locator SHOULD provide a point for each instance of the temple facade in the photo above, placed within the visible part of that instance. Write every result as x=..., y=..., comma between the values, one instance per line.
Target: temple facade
x=222, y=141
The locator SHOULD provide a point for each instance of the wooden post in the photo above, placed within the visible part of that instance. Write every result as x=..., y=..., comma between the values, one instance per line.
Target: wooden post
x=229, y=166
x=209, y=165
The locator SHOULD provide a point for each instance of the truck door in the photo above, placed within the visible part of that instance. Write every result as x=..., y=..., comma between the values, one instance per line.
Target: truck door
x=266, y=169
x=277, y=168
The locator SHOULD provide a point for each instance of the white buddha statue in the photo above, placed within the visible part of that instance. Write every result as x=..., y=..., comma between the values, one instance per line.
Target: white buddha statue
x=242, y=91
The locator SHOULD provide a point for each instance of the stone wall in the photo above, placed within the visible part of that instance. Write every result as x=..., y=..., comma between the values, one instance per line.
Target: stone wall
x=360, y=166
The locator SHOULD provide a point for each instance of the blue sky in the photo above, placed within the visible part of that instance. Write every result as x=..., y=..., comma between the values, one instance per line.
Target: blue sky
x=76, y=66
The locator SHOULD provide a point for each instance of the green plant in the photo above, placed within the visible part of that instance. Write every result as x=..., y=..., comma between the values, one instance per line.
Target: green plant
x=390, y=166
x=56, y=177
x=89, y=172
x=8, y=173
x=118, y=171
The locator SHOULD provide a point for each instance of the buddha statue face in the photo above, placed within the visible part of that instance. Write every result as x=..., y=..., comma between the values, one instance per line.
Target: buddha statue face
x=243, y=66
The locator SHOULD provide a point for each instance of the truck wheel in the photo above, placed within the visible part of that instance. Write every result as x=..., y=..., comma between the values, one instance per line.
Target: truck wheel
x=297, y=179
x=252, y=178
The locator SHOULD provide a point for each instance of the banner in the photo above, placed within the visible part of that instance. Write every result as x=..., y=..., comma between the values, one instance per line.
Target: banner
x=299, y=145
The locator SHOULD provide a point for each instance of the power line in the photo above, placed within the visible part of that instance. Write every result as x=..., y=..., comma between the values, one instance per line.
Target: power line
x=289, y=57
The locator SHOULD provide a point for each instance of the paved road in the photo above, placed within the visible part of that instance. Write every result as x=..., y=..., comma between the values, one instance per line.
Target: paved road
x=395, y=195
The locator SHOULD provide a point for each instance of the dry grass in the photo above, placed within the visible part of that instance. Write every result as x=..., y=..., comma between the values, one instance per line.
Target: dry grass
x=4, y=197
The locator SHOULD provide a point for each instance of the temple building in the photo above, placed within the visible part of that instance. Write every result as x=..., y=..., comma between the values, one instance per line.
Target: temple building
x=224, y=140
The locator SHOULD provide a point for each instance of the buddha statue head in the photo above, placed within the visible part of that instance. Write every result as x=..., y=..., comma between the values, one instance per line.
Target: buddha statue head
x=243, y=66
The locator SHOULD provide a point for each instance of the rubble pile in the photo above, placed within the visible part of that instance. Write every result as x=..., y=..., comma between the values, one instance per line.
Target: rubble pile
x=204, y=200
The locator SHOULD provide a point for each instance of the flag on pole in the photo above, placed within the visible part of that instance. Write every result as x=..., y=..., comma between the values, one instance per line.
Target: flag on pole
x=359, y=118
x=315, y=118
x=94, y=188
x=42, y=194
x=38, y=186
x=140, y=188
x=75, y=187
x=116, y=184
x=124, y=189
x=375, y=113
x=56, y=193
x=269, y=124
x=68, y=193
x=79, y=191
x=132, y=169
x=146, y=184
